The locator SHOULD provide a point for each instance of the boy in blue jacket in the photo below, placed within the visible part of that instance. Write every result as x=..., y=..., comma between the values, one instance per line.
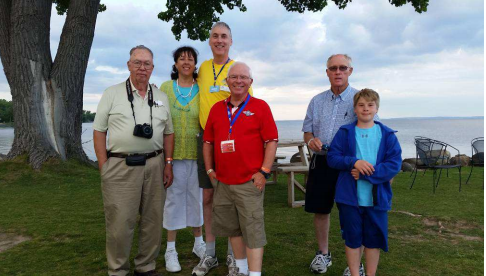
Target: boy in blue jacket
x=368, y=155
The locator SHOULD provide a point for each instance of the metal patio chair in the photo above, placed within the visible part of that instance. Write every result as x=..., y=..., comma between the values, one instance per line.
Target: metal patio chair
x=433, y=155
x=477, y=154
x=417, y=159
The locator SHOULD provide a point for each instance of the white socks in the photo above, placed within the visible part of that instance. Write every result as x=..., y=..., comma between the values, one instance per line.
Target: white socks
x=242, y=265
x=170, y=246
x=198, y=240
x=230, y=248
x=252, y=273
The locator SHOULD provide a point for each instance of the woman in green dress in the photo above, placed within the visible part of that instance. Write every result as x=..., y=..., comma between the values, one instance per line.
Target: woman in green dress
x=183, y=205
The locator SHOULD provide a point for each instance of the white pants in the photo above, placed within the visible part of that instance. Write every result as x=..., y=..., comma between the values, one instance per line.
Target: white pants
x=183, y=204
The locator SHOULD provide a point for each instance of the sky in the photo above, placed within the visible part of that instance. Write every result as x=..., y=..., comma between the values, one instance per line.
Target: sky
x=422, y=65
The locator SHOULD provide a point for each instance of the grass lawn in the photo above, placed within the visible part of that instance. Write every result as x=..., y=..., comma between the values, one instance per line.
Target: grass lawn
x=60, y=208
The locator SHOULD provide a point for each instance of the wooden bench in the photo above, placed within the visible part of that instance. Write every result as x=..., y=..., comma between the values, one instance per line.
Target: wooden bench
x=273, y=169
x=290, y=171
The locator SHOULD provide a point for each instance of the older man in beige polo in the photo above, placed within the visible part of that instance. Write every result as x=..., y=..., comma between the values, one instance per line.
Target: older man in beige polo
x=133, y=174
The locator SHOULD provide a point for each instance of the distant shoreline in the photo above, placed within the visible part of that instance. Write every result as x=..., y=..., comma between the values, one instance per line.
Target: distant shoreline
x=5, y=125
x=416, y=118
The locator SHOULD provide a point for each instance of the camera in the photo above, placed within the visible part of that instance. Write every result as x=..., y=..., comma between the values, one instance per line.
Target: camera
x=144, y=131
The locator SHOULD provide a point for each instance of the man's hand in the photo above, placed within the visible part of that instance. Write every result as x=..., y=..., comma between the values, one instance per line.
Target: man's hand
x=364, y=167
x=212, y=176
x=101, y=163
x=99, y=141
x=355, y=174
x=259, y=180
x=315, y=144
x=168, y=175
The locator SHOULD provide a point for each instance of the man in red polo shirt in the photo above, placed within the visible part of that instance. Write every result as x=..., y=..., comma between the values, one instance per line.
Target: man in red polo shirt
x=241, y=141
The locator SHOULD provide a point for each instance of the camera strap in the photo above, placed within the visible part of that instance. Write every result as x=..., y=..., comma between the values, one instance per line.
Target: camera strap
x=130, y=99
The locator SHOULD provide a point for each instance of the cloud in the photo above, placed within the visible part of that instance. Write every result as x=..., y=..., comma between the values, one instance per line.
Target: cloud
x=411, y=59
x=112, y=70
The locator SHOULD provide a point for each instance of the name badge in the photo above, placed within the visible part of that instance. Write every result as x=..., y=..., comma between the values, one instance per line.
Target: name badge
x=228, y=146
x=214, y=89
x=224, y=88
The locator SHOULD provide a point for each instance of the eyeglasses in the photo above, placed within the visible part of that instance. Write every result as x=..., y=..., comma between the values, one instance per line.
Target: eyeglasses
x=138, y=64
x=341, y=68
x=235, y=77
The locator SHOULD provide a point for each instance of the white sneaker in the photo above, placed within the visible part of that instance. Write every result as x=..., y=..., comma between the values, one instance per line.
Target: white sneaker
x=204, y=265
x=172, y=261
x=231, y=263
x=199, y=250
x=321, y=262
x=347, y=272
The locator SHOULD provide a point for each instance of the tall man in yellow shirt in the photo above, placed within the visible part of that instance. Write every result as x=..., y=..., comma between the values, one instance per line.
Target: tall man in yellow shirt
x=212, y=89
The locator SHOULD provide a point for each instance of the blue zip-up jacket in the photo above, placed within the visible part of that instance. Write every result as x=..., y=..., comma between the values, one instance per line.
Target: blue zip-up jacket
x=342, y=156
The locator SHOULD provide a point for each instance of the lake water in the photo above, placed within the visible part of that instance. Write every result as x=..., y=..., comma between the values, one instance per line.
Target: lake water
x=456, y=132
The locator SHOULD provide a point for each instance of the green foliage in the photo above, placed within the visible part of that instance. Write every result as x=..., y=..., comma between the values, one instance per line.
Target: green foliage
x=197, y=17
x=63, y=5
x=419, y=5
x=61, y=209
x=88, y=117
x=6, y=111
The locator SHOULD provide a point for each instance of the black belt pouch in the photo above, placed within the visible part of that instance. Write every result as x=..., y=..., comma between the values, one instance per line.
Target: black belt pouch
x=136, y=160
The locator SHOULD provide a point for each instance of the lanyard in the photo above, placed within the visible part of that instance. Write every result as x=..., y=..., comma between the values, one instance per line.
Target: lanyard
x=130, y=99
x=214, y=71
x=232, y=121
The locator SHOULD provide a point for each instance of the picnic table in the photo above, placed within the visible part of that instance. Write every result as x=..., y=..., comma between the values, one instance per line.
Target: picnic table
x=291, y=169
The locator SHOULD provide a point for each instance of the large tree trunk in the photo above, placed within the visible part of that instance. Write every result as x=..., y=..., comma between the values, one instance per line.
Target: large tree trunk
x=47, y=97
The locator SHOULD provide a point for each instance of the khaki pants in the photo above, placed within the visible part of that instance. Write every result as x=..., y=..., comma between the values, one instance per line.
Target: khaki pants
x=238, y=211
x=127, y=193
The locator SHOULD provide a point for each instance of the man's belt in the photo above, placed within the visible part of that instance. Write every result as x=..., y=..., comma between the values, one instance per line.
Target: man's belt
x=125, y=155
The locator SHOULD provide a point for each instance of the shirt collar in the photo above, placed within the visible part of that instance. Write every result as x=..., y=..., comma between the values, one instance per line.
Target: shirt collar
x=134, y=88
x=230, y=105
x=343, y=96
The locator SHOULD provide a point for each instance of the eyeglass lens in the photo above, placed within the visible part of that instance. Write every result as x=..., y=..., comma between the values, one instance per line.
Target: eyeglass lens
x=341, y=68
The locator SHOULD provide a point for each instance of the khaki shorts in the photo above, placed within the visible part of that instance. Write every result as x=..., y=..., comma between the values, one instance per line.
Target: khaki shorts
x=203, y=177
x=238, y=211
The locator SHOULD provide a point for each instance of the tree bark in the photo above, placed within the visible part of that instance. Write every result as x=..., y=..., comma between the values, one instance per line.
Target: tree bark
x=47, y=97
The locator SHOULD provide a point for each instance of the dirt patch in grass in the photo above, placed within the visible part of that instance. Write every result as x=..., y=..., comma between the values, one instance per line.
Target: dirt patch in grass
x=452, y=231
x=8, y=241
x=405, y=213
x=448, y=230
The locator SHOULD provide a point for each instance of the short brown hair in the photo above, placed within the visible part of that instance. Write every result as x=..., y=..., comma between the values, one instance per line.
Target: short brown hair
x=369, y=95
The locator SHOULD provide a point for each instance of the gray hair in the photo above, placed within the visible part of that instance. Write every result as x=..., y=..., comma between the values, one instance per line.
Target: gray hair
x=221, y=24
x=348, y=58
x=141, y=47
x=240, y=63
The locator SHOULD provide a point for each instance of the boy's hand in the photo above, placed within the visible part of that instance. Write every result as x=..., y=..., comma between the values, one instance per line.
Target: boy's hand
x=355, y=174
x=364, y=167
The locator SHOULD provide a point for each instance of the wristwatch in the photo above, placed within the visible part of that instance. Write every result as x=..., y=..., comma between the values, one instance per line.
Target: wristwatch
x=209, y=171
x=169, y=160
x=265, y=174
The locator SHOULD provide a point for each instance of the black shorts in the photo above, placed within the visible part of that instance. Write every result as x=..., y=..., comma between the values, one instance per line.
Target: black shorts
x=321, y=186
x=203, y=177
